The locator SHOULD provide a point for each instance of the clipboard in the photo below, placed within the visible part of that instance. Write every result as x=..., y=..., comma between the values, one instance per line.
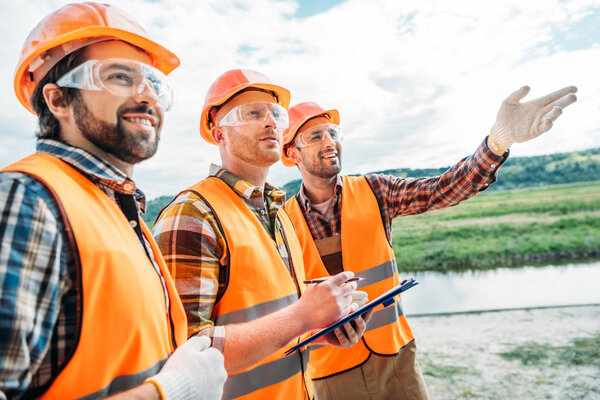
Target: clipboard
x=386, y=299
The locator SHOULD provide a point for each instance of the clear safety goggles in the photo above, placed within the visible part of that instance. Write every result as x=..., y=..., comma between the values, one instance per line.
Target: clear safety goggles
x=317, y=134
x=256, y=113
x=121, y=77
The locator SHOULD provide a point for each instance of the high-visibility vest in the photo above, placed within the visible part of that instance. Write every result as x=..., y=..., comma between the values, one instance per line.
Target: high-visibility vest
x=367, y=252
x=258, y=284
x=126, y=331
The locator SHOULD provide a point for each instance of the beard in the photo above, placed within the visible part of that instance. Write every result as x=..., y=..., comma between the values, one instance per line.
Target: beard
x=249, y=149
x=315, y=165
x=115, y=139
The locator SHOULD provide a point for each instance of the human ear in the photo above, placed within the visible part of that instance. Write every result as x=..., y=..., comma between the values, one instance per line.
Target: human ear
x=293, y=154
x=55, y=101
x=217, y=134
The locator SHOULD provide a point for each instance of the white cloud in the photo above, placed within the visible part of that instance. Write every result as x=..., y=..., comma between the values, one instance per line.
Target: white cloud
x=417, y=83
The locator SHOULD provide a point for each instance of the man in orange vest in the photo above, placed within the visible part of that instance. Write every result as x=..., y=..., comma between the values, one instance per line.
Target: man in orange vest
x=234, y=255
x=344, y=223
x=88, y=306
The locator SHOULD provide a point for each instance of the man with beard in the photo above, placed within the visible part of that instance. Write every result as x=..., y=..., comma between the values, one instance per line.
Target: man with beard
x=88, y=306
x=233, y=253
x=334, y=214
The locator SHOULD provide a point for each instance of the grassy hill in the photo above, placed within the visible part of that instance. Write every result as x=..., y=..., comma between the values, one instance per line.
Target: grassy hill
x=537, y=225
x=552, y=169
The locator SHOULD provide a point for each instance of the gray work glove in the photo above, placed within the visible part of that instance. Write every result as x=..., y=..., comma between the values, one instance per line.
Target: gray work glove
x=519, y=122
x=194, y=371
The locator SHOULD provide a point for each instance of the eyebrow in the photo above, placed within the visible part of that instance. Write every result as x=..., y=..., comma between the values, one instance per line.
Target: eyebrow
x=121, y=67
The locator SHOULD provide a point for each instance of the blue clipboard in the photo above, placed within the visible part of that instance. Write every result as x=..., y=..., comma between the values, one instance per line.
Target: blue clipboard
x=386, y=299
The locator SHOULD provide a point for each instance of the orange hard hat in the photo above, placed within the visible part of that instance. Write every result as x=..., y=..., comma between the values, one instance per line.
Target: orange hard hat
x=73, y=27
x=299, y=115
x=228, y=85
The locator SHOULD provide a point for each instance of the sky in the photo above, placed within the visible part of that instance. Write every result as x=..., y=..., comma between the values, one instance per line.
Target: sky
x=417, y=83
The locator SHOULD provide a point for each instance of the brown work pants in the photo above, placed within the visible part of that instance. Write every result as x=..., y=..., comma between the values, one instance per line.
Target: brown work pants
x=379, y=378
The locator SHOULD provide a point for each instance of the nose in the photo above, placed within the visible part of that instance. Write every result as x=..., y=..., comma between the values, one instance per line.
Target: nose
x=270, y=120
x=328, y=141
x=147, y=94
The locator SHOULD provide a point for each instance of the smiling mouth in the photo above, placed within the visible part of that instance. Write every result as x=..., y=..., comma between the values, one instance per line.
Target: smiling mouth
x=147, y=121
x=329, y=156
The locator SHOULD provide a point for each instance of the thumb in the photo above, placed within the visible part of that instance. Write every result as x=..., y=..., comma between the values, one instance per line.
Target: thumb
x=199, y=343
x=517, y=95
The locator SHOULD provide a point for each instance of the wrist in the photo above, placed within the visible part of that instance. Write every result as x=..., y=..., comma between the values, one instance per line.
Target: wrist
x=496, y=142
x=159, y=389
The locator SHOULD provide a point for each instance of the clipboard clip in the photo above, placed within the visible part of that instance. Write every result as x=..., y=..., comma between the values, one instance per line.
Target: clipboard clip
x=389, y=302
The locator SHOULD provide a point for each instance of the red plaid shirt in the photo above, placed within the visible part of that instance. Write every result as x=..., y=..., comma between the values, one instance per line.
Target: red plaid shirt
x=406, y=196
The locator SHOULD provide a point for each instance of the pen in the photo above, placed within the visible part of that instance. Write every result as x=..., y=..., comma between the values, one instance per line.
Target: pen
x=319, y=280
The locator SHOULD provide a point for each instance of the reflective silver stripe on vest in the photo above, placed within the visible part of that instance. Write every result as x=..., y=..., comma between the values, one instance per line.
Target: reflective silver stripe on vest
x=386, y=316
x=377, y=273
x=265, y=375
x=125, y=382
x=257, y=311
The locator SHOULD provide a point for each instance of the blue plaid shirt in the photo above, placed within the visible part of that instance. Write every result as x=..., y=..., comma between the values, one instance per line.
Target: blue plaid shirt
x=38, y=291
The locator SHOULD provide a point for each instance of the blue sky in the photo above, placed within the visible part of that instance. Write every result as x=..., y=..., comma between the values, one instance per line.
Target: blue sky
x=417, y=83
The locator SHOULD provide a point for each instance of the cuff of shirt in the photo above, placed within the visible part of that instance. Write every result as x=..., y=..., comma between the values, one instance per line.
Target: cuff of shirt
x=488, y=163
x=216, y=335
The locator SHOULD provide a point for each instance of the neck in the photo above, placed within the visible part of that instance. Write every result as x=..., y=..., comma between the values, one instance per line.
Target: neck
x=253, y=174
x=319, y=189
x=78, y=140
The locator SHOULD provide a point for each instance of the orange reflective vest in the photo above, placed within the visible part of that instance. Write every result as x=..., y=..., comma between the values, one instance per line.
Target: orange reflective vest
x=259, y=283
x=126, y=330
x=367, y=252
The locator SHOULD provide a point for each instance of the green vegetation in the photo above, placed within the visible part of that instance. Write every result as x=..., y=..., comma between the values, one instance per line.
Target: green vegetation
x=154, y=207
x=581, y=351
x=503, y=228
x=517, y=172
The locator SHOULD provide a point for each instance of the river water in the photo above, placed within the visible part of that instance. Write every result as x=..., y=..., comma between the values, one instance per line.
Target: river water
x=503, y=288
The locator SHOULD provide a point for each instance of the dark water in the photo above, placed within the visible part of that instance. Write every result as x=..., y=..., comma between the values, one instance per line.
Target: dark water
x=502, y=288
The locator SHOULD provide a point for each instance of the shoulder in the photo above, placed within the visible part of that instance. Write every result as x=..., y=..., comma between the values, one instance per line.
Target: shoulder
x=20, y=192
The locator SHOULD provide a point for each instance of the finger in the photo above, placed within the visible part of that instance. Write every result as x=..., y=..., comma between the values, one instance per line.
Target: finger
x=350, y=332
x=549, y=98
x=517, y=95
x=342, y=277
x=361, y=325
x=340, y=336
x=562, y=102
x=367, y=317
x=553, y=114
x=545, y=125
x=353, y=307
x=200, y=343
x=348, y=288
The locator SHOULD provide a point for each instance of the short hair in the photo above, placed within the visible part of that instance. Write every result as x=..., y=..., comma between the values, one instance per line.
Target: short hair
x=49, y=127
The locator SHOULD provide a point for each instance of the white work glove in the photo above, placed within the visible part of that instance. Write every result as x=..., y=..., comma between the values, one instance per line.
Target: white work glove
x=519, y=122
x=194, y=371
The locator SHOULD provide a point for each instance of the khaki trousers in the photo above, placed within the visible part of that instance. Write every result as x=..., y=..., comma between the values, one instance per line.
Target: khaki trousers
x=379, y=378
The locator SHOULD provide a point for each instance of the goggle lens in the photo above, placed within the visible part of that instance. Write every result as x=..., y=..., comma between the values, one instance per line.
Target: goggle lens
x=121, y=77
x=317, y=134
x=256, y=113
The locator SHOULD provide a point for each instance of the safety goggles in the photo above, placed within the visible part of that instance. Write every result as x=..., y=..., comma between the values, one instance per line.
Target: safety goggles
x=121, y=77
x=317, y=134
x=256, y=113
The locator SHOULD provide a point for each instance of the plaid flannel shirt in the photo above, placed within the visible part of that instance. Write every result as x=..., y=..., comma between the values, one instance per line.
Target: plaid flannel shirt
x=194, y=248
x=38, y=289
x=400, y=196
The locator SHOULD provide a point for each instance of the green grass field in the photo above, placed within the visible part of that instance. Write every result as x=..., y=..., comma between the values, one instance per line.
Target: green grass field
x=516, y=227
